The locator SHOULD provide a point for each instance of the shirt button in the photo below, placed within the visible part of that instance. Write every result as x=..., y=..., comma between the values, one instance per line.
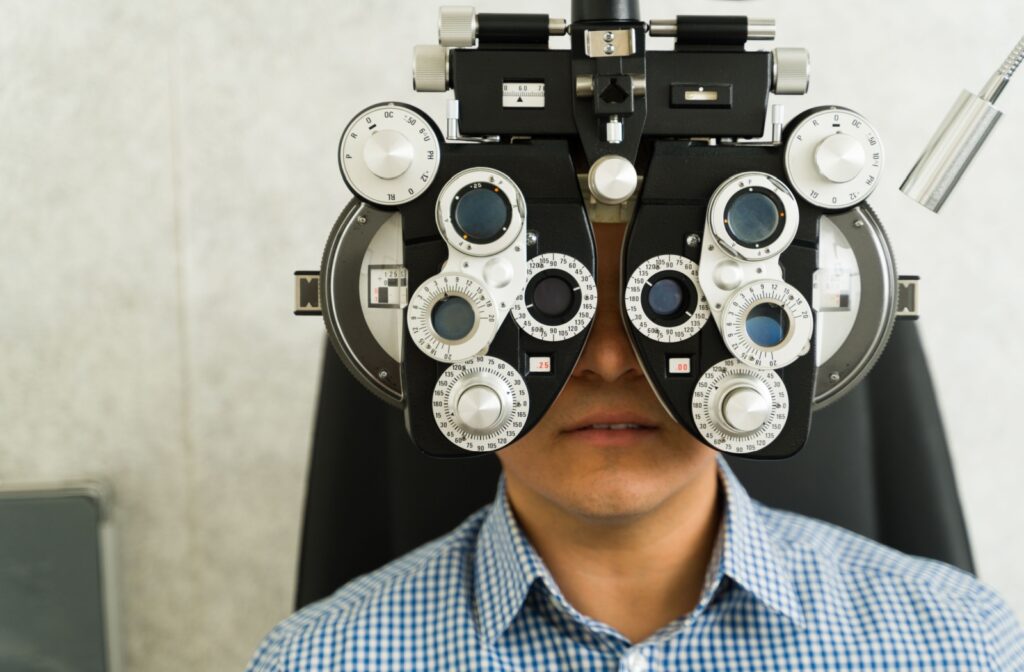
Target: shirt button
x=635, y=661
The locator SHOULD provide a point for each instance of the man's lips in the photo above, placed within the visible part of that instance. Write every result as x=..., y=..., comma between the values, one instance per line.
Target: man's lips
x=613, y=421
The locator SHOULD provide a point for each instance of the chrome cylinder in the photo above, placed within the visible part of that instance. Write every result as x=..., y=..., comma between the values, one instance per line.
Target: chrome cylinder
x=950, y=151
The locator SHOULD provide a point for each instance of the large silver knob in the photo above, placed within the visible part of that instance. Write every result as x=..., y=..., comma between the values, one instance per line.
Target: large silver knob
x=479, y=408
x=791, y=71
x=738, y=408
x=840, y=157
x=744, y=409
x=430, y=68
x=388, y=154
x=456, y=26
x=481, y=404
x=612, y=179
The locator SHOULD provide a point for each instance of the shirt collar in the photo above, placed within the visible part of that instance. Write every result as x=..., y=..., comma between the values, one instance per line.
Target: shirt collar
x=506, y=564
x=751, y=556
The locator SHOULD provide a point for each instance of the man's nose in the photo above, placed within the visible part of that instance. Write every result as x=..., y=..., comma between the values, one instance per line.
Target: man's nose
x=608, y=353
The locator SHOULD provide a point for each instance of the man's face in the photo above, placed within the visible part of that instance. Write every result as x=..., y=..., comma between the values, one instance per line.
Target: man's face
x=603, y=472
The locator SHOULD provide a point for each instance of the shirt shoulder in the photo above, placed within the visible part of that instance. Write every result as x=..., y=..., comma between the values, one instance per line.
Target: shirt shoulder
x=404, y=592
x=862, y=583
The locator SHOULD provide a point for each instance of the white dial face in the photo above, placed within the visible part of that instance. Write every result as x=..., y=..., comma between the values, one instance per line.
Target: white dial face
x=586, y=290
x=505, y=396
x=767, y=324
x=731, y=391
x=642, y=277
x=461, y=328
x=834, y=158
x=389, y=154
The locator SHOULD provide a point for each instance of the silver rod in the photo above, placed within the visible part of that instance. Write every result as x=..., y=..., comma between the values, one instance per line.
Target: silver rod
x=760, y=29
x=663, y=28
x=557, y=26
x=995, y=85
x=778, y=121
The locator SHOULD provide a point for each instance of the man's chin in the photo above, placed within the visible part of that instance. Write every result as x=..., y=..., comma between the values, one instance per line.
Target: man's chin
x=620, y=478
x=615, y=498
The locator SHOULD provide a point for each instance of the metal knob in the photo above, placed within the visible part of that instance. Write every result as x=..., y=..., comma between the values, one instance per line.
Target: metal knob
x=791, y=71
x=430, y=68
x=612, y=179
x=479, y=409
x=456, y=26
x=745, y=409
x=388, y=154
x=840, y=157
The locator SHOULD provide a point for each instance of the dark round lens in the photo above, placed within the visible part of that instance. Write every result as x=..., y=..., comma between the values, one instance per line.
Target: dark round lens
x=481, y=214
x=552, y=296
x=767, y=324
x=452, y=318
x=752, y=218
x=666, y=297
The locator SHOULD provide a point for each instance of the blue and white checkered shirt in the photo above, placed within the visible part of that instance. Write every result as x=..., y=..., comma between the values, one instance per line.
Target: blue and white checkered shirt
x=783, y=592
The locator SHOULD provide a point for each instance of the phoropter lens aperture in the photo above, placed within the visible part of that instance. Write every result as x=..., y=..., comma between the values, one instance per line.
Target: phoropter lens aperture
x=767, y=324
x=552, y=296
x=452, y=318
x=752, y=218
x=481, y=213
x=667, y=297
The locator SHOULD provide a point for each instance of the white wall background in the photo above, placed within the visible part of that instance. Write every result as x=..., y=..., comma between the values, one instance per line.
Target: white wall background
x=166, y=165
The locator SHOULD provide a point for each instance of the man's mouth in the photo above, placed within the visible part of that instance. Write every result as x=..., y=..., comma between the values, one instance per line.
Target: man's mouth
x=609, y=423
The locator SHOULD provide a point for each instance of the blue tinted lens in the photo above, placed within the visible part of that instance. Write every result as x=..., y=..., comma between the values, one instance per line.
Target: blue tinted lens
x=452, y=318
x=767, y=325
x=666, y=297
x=752, y=218
x=481, y=213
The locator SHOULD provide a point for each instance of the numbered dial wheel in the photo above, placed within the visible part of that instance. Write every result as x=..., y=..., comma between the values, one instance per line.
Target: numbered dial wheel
x=389, y=154
x=480, y=211
x=451, y=317
x=767, y=324
x=754, y=216
x=481, y=404
x=560, y=298
x=738, y=408
x=664, y=301
x=834, y=158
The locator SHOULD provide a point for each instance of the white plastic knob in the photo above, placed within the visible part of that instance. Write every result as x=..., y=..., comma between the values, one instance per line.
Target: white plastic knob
x=479, y=408
x=745, y=409
x=840, y=157
x=388, y=154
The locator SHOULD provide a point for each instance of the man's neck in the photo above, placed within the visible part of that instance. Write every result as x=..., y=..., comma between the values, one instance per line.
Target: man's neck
x=636, y=574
